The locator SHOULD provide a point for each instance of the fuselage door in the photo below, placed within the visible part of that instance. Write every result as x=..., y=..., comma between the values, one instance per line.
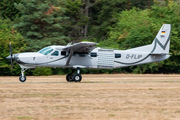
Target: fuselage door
x=105, y=58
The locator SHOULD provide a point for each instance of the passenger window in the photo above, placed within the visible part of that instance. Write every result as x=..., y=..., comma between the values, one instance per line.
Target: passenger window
x=63, y=53
x=93, y=54
x=55, y=53
x=82, y=55
x=117, y=55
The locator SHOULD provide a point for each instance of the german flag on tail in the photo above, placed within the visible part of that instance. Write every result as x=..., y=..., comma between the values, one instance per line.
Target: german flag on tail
x=163, y=32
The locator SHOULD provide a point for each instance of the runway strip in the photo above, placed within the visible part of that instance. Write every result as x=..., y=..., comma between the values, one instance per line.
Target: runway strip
x=92, y=82
x=104, y=78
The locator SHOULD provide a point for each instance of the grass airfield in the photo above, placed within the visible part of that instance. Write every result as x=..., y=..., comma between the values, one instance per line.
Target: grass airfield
x=106, y=97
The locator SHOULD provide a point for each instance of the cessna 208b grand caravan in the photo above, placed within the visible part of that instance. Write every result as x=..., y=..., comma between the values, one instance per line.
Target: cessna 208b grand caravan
x=85, y=55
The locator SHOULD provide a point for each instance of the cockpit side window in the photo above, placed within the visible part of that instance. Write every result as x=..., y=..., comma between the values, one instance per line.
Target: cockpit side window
x=42, y=51
x=55, y=53
x=46, y=53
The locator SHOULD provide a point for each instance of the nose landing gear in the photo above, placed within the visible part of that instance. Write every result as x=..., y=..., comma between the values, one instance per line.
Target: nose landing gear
x=74, y=77
x=22, y=78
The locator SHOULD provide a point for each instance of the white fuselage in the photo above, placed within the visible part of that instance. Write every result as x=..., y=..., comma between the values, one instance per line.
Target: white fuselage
x=97, y=59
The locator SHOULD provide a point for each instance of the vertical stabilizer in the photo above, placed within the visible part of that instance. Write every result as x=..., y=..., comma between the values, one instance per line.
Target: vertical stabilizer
x=161, y=43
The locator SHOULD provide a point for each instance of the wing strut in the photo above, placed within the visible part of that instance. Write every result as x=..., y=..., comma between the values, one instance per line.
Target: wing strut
x=69, y=58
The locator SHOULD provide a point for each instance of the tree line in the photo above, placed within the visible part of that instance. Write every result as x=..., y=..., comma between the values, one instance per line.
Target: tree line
x=119, y=24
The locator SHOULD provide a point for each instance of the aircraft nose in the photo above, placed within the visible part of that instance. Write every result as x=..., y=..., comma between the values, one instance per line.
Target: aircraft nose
x=14, y=57
x=10, y=57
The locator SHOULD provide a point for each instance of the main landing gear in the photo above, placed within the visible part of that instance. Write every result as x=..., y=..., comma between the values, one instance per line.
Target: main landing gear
x=22, y=78
x=71, y=77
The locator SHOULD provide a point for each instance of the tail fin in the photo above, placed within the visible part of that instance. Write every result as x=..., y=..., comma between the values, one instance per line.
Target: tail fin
x=161, y=43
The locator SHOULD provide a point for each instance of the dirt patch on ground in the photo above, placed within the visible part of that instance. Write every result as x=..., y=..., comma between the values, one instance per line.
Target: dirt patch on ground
x=118, y=96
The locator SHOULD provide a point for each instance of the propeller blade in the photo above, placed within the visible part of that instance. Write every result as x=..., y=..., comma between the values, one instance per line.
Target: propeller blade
x=11, y=65
x=10, y=49
x=11, y=56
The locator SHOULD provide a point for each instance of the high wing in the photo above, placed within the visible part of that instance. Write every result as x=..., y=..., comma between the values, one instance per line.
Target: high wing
x=82, y=47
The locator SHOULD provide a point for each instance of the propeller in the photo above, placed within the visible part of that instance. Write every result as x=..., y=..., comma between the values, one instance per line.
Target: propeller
x=11, y=57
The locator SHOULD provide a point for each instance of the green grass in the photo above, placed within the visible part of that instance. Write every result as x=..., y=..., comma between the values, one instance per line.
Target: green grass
x=150, y=88
x=111, y=114
x=25, y=118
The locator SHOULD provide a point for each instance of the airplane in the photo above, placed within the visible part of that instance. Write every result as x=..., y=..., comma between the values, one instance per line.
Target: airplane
x=84, y=55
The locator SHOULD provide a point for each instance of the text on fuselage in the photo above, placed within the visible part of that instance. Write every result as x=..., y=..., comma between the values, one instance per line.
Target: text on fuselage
x=133, y=56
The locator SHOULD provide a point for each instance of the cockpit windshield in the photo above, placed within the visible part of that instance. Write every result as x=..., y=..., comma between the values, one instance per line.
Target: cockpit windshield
x=46, y=50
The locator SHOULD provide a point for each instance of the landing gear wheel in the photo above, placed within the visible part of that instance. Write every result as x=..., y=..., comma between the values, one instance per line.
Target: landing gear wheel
x=77, y=77
x=69, y=77
x=22, y=78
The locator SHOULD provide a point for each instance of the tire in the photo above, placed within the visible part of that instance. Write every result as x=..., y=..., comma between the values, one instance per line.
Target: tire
x=69, y=77
x=22, y=78
x=77, y=77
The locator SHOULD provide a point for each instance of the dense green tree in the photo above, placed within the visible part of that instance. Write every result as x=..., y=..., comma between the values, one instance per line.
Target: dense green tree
x=103, y=15
x=80, y=15
x=142, y=4
x=42, y=22
x=8, y=10
x=77, y=20
x=131, y=30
